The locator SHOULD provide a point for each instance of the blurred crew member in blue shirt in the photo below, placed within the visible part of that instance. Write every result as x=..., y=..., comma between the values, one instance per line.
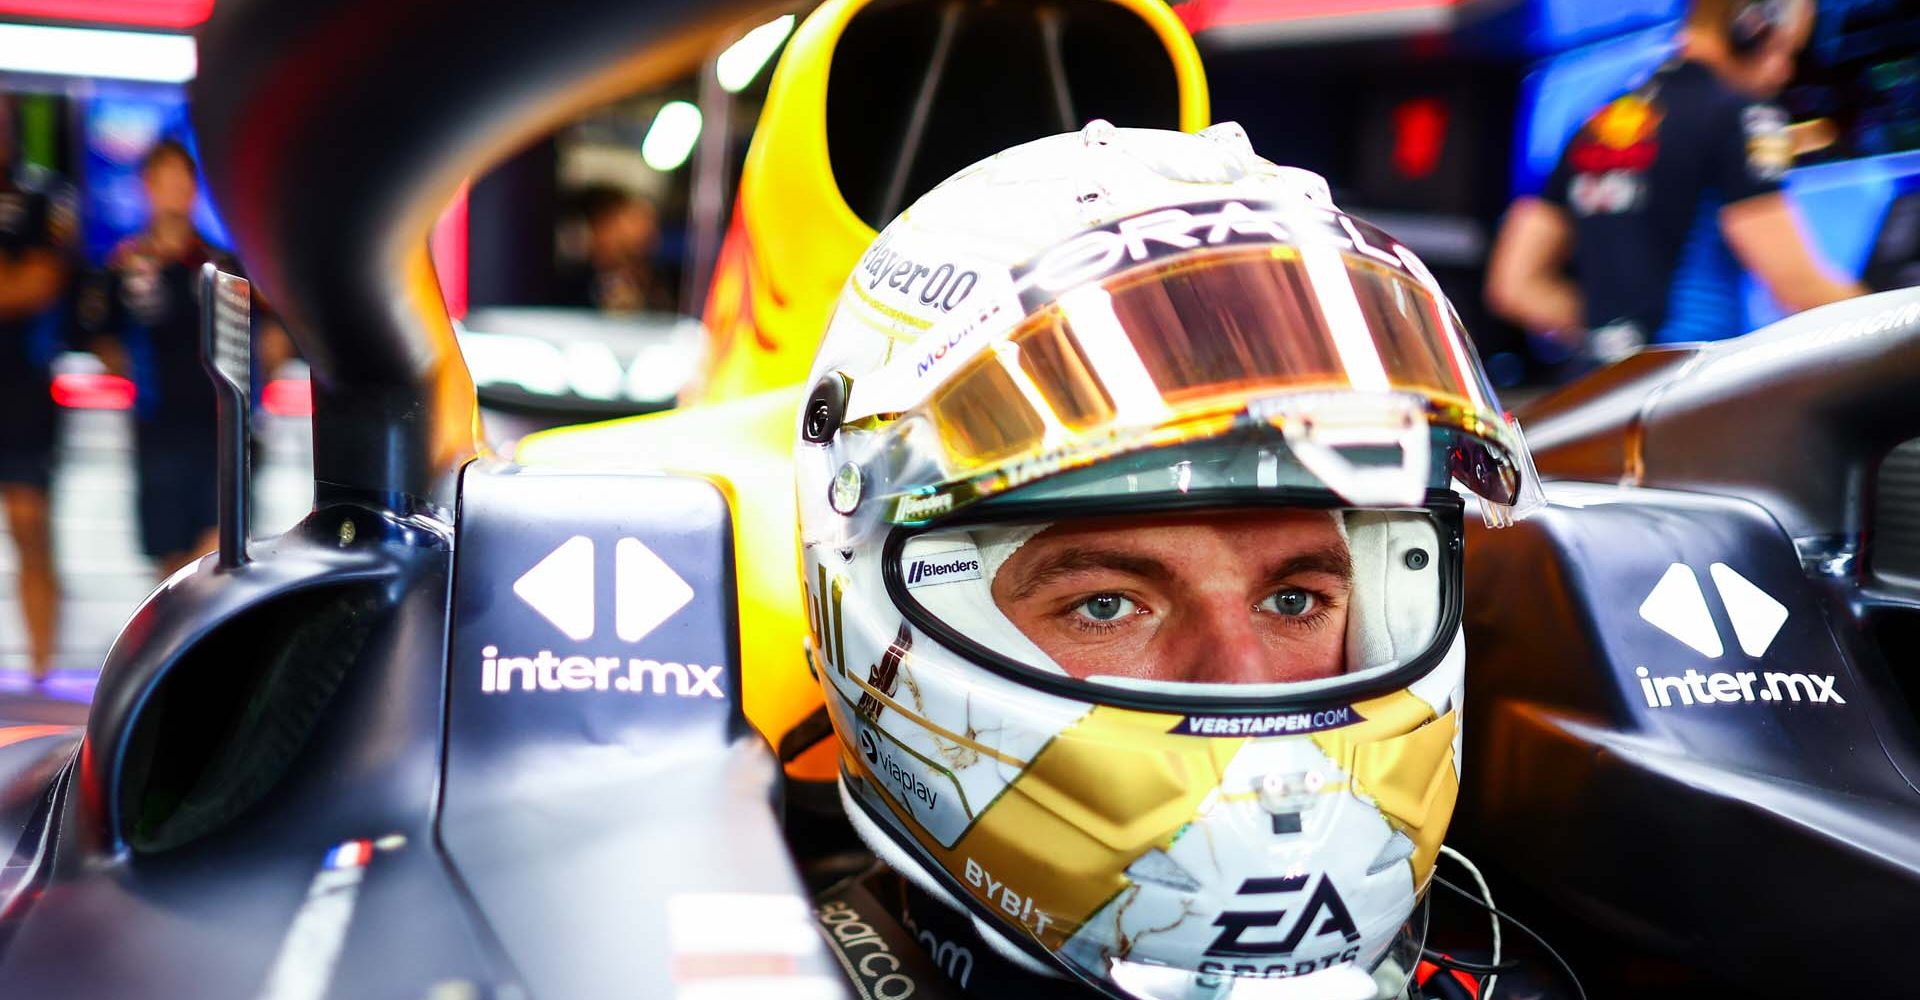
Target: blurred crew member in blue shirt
x=1665, y=194
x=36, y=222
x=143, y=312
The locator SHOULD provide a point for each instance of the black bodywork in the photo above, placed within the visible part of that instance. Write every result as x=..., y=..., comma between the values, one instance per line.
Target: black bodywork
x=539, y=838
x=292, y=782
x=1766, y=835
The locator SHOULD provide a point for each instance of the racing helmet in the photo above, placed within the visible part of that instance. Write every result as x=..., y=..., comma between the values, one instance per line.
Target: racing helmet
x=1131, y=486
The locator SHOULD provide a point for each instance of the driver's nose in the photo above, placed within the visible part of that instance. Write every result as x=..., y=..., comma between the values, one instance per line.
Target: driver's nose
x=1216, y=643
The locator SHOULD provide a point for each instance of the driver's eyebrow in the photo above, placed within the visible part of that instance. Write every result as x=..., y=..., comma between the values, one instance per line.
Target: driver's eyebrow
x=1067, y=562
x=1335, y=560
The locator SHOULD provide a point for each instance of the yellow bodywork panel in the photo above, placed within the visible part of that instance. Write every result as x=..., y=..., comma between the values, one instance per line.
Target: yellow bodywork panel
x=745, y=447
x=793, y=238
x=789, y=247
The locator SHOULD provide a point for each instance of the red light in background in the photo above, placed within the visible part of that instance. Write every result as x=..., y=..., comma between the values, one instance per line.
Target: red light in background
x=1201, y=15
x=88, y=391
x=1419, y=136
x=288, y=397
x=178, y=15
x=282, y=397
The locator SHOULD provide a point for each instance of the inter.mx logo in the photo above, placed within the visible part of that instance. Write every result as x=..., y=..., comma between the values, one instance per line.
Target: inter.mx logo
x=1678, y=606
x=560, y=588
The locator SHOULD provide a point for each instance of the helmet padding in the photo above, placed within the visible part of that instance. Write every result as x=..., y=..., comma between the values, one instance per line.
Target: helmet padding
x=1394, y=608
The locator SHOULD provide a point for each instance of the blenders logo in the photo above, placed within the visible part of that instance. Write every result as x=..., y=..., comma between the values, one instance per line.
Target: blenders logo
x=919, y=508
x=1678, y=606
x=1267, y=725
x=943, y=285
x=943, y=567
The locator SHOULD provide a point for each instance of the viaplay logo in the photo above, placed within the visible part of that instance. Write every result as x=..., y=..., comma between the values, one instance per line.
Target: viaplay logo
x=913, y=789
x=1678, y=606
x=560, y=588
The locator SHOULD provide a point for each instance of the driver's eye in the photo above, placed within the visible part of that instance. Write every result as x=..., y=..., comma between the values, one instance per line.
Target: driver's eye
x=1105, y=607
x=1291, y=603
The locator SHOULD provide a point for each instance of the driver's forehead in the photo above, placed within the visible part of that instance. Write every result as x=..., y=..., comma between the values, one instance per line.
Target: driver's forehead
x=1250, y=541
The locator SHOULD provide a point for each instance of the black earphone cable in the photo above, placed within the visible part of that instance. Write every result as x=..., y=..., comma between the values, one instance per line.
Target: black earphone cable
x=1578, y=990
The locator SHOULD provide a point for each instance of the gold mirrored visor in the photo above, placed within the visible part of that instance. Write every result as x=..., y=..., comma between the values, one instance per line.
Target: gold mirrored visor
x=1177, y=350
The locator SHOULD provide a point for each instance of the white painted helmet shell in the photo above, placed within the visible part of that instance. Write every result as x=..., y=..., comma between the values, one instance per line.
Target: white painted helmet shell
x=1147, y=844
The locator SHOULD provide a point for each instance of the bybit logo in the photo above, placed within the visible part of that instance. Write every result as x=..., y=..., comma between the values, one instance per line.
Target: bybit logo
x=1014, y=904
x=1678, y=606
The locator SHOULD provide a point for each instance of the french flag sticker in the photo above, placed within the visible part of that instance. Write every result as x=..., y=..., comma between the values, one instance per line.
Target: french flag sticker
x=349, y=854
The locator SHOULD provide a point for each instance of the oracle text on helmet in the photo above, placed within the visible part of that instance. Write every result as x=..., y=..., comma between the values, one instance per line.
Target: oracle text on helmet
x=1132, y=241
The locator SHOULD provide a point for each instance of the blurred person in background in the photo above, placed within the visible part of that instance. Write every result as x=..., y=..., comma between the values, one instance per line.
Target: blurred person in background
x=143, y=314
x=1665, y=194
x=618, y=274
x=36, y=226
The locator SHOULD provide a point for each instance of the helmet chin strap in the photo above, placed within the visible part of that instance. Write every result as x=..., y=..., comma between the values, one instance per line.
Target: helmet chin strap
x=906, y=864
